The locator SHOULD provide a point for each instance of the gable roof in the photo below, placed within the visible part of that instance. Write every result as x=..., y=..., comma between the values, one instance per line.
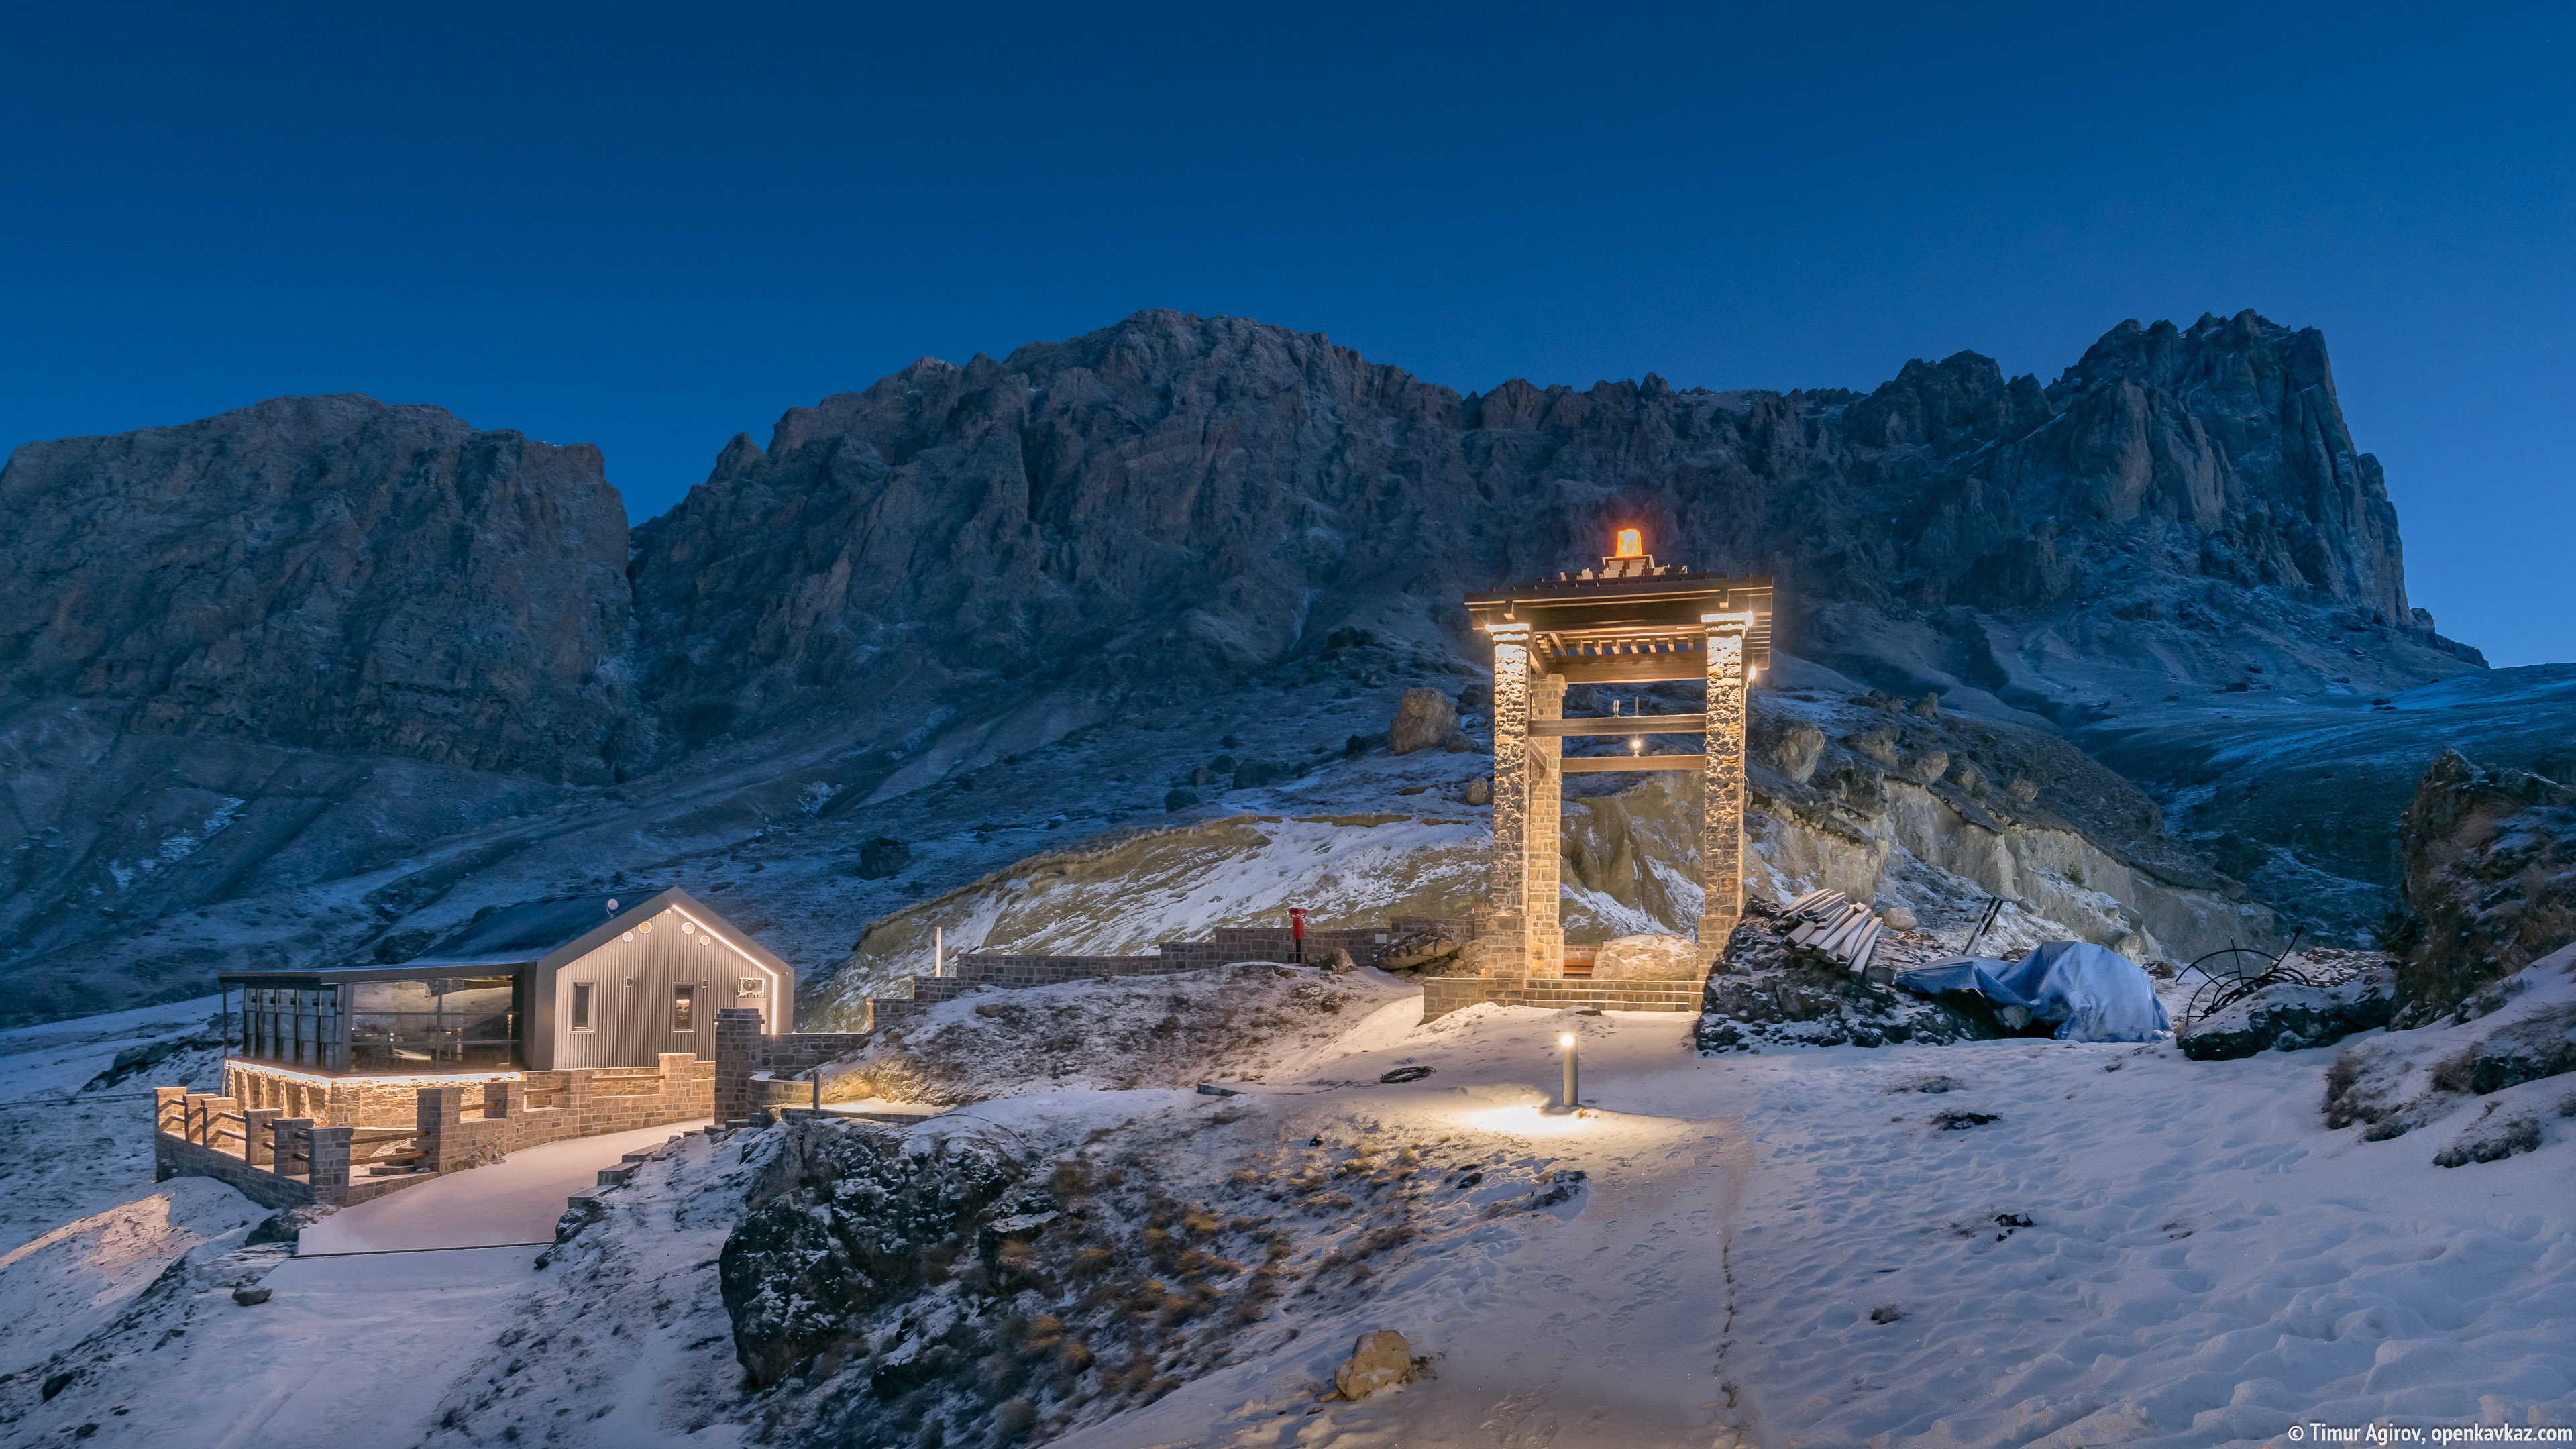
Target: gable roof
x=531, y=931
x=545, y=934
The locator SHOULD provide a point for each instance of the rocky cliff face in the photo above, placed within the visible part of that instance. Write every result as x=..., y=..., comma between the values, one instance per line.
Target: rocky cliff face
x=273, y=683
x=330, y=573
x=2490, y=881
x=1178, y=495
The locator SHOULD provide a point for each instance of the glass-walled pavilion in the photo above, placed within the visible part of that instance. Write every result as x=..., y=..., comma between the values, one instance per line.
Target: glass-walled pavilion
x=377, y=1021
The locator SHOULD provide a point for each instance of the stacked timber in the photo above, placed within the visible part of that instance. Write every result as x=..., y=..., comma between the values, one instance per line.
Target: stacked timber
x=1832, y=926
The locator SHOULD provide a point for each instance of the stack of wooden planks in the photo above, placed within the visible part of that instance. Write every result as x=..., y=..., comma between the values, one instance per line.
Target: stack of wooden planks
x=1832, y=926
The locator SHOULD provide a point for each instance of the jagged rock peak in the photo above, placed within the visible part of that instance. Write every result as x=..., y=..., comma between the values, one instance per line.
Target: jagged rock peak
x=326, y=571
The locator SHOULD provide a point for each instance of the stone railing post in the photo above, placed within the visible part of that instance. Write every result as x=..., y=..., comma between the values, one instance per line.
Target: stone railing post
x=574, y=1099
x=738, y=1055
x=259, y=1145
x=288, y=1147
x=328, y=1150
x=217, y=1108
x=504, y=1099
x=677, y=1070
x=441, y=1110
x=170, y=1110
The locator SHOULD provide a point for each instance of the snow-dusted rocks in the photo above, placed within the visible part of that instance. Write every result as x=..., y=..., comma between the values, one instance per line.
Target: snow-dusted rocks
x=2512, y=1043
x=2292, y=1018
x=850, y=1216
x=1762, y=994
x=1378, y=1359
x=2490, y=880
x=1247, y=1021
x=1658, y=956
x=1427, y=944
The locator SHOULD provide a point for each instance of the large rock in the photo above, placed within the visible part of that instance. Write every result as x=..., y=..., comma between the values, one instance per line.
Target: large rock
x=847, y=1220
x=1420, y=945
x=2291, y=1018
x=1655, y=957
x=2490, y=881
x=2505, y=1043
x=1378, y=1359
x=1764, y=994
x=1424, y=720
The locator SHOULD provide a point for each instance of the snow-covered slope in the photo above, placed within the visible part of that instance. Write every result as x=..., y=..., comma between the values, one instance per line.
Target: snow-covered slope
x=67, y=1150
x=1936, y=814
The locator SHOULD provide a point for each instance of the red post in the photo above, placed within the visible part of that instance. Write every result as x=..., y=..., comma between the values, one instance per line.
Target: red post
x=1297, y=934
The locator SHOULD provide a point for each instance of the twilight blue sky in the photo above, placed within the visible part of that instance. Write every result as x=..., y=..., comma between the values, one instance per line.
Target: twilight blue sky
x=652, y=227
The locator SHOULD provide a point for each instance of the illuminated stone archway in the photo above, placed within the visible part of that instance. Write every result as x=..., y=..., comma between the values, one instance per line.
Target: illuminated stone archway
x=1630, y=621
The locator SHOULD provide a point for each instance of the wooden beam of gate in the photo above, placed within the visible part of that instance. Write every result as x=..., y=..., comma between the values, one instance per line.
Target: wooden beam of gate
x=1628, y=668
x=1615, y=764
x=1621, y=724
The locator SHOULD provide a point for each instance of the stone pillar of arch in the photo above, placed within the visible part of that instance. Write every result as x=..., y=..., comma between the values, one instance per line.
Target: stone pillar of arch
x=1721, y=839
x=1539, y=894
x=1504, y=939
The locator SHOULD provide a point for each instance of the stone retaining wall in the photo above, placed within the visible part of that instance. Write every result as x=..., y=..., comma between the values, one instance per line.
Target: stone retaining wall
x=743, y=1052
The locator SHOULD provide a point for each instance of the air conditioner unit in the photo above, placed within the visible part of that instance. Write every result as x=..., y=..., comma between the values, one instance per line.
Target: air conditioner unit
x=750, y=986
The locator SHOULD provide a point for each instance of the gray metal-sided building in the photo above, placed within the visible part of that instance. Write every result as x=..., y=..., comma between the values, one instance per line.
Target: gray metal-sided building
x=587, y=981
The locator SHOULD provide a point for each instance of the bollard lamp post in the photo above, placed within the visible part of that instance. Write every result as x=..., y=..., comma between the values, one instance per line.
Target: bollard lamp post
x=1573, y=1059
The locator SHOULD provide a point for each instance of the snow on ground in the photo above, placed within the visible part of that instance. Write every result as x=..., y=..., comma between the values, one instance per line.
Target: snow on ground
x=66, y=1152
x=512, y=1202
x=74, y=1280
x=1129, y=1032
x=2006, y=1242
x=381, y=1309
x=2507, y=1049
x=2202, y=1261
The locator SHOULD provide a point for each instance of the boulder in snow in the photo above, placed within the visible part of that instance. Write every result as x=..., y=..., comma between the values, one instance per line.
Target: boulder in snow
x=1655, y=957
x=1425, y=720
x=1378, y=1359
x=2292, y=1018
x=1420, y=945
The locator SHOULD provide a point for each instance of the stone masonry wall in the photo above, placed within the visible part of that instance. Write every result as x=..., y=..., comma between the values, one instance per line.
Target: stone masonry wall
x=451, y=1125
x=742, y=1052
x=176, y=1156
x=1444, y=994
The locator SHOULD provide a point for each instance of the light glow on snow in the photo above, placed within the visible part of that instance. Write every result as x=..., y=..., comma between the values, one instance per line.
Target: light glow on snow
x=1525, y=1120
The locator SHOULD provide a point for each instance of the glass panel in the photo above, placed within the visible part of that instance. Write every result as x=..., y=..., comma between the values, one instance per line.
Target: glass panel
x=581, y=1006
x=468, y=1024
x=390, y=996
x=684, y=1008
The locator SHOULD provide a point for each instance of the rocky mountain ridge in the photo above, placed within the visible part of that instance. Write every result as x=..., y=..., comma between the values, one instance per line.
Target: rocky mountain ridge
x=273, y=682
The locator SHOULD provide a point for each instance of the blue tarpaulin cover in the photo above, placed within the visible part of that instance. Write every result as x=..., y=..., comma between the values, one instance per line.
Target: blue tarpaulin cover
x=2092, y=992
